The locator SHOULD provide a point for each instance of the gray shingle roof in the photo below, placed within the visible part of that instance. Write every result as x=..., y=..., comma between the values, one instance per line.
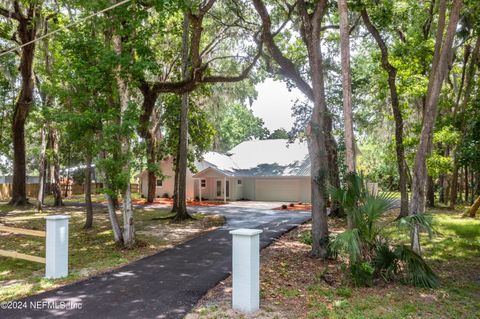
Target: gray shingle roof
x=261, y=158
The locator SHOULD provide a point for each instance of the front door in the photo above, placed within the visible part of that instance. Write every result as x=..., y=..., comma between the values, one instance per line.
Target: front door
x=219, y=189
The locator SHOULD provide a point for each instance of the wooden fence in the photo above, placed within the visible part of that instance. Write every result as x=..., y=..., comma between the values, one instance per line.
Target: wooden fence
x=14, y=254
x=6, y=191
x=56, y=245
x=75, y=189
x=135, y=188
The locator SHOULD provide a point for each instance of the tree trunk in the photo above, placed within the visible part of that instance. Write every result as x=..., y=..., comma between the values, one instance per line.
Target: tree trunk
x=466, y=98
x=310, y=31
x=27, y=32
x=48, y=170
x=128, y=225
x=442, y=55
x=397, y=114
x=88, y=192
x=55, y=168
x=124, y=98
x=477, y=181
x=473, y=210
x=67, y=178
x=454, y=187
x=334, y=174
x=441, y=195
x=347, y=86
x=175, y=184
x=316, y=135
x=350, y=156
x=467, y=186
x=181, y=212
x=430, y=192
x=41, y=169
x=319, y=174
x=151, y=177
x=475, y=187
x=147, y=130
x=460, y=186
x=45, y=103
x=117, y=233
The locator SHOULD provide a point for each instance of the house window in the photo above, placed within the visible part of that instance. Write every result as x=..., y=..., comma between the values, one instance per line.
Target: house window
x=159, y=182
x=239, y=182
x=203, y=182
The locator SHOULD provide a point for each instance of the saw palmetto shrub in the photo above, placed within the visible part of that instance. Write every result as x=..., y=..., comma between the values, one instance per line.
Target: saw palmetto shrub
x=370, y=251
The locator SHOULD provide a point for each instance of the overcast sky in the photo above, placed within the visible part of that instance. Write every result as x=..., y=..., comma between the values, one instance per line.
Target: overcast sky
x=274, y=104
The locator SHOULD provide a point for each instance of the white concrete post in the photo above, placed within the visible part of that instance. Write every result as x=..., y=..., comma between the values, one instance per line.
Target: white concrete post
x=246, y=270
x=57, y=246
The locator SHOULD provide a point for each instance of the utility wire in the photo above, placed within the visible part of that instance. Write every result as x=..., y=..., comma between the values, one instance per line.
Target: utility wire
x=65, y=27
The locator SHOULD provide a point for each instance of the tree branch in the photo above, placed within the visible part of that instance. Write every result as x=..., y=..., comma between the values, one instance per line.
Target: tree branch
x=18, y=11
x=378, y=38
x=10, y=14
x=289, y=15
x=288, y=69
x=238, y=78
x=207, y=6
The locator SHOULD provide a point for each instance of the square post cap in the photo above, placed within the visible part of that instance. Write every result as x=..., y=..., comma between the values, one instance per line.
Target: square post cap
x=246, y=232
x=57, y=217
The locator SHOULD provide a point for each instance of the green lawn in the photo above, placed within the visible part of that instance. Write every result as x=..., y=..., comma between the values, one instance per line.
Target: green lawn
x=91, y=251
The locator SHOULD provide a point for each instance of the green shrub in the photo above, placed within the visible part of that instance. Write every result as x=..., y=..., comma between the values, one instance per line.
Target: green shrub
x=344, y=292
x=362, y=274
x=306, y=237
x=367, y=245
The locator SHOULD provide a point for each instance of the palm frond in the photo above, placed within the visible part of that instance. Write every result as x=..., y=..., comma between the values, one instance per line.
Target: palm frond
x=385, y=261
x=419, y=273
x=349, y=243
x=388, y=196
x=424, y=221
x=371, y=210
x=374, y=206
x=337, y=194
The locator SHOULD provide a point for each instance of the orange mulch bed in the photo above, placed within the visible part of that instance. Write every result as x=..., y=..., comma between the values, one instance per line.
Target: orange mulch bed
x=296, y=207
x=169, y=201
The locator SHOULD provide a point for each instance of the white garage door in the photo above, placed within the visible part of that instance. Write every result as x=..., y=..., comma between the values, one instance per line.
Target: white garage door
x=278, y=189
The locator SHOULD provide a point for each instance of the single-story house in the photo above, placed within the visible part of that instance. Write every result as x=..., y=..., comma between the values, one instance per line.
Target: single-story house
x=262, y=170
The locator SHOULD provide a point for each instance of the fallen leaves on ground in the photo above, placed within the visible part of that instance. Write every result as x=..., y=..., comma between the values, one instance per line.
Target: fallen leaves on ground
x=293, y=285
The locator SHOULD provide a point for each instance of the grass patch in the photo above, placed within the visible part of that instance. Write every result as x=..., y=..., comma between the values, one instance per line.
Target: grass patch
x=345, y=292
x=288, y=292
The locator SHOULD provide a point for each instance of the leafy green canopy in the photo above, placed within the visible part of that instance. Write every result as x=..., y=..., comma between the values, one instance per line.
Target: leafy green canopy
x=200, y=131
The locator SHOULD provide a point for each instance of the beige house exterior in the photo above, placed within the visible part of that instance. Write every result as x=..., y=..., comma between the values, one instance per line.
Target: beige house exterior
x=264, y=170
x=164, y=187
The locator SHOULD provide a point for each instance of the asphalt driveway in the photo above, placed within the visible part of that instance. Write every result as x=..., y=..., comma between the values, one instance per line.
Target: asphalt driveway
x=165, y=285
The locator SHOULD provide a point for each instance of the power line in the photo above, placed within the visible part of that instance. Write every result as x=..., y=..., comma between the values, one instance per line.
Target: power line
x=65, y=27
